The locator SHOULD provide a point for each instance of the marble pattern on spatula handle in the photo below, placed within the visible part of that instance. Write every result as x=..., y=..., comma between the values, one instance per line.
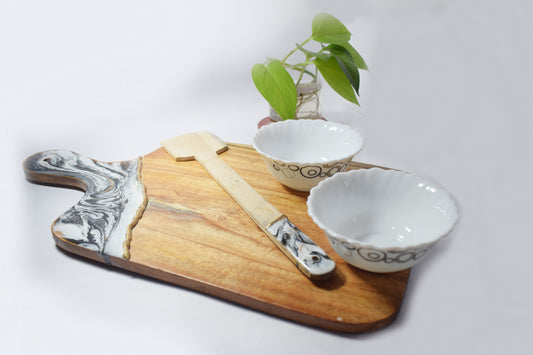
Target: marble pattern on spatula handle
x=311, y=259
x=113, y=202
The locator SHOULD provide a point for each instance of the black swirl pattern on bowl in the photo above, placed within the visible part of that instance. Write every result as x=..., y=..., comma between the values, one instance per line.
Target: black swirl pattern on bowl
x=311, y=171
x=375, y=255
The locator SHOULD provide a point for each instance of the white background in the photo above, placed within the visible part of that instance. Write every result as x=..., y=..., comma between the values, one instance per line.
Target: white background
x=447, y=96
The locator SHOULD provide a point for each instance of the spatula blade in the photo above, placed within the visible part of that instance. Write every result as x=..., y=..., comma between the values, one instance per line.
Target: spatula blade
x=189, y=146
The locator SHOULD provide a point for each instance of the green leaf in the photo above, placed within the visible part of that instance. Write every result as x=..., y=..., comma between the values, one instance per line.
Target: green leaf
x=277, y=87
x=346, y=62
x=358, y=60
x=334, y=76
x=327, y=29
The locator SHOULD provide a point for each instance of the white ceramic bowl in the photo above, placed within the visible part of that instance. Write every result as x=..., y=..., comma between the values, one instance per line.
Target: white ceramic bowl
x=381, y=220
x=301, y=153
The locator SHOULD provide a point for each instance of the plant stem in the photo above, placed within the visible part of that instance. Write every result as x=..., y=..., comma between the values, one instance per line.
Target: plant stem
x=299, y=78
x=299, y=67
x=294, y=51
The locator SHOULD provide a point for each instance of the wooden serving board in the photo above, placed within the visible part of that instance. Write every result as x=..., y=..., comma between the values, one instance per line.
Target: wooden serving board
x=188, y=231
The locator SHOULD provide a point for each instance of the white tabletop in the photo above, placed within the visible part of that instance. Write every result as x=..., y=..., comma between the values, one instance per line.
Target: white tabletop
x=447, y=97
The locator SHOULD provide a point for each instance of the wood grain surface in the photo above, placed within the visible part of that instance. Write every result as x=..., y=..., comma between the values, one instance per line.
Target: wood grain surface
x=193, y=234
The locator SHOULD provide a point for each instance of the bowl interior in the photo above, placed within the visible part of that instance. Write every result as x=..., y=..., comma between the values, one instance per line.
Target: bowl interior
x=384, y=209
x=307, y=141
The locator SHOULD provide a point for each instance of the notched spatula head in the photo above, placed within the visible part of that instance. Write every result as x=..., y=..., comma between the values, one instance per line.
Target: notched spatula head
x=189, y=146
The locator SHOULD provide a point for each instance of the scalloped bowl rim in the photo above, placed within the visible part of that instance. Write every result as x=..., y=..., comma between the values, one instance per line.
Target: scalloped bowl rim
x=358, y=140
x=454, y=212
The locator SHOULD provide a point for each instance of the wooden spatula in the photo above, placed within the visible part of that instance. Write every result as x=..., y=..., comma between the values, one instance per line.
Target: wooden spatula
x=204, y=147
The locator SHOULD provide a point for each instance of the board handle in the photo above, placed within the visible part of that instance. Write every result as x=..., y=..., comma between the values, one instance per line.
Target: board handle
x=69, y=169
x=114, y=199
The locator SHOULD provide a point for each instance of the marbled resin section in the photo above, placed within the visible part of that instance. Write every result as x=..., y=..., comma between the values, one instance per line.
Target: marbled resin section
x=113, y=202
x=310, y=255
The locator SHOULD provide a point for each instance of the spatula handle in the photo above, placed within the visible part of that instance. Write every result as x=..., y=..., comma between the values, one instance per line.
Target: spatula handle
x=257, y=207
x=310, y=259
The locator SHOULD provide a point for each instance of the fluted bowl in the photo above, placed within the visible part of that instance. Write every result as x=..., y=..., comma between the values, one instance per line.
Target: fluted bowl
x=301, y=153
x=382, y=220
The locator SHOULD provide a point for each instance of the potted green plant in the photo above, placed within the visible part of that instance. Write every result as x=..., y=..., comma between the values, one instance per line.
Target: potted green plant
x=337, y=61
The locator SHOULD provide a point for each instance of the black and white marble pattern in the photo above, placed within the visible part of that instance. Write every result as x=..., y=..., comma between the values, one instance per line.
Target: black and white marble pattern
x=113, y=201
x=302, y=248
